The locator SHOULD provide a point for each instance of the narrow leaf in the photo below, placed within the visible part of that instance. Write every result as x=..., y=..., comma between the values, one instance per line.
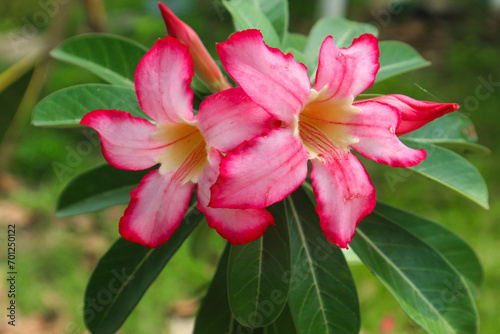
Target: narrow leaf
x=452, y=171
x=66, y=107
x=323, y=296
x=452, y=247
x=428, y=288
x=246, y=16
x=257, y=291
x=97, y=189
x=396, y=58
x=214, y=315
x=125, y=272
x=112, y=58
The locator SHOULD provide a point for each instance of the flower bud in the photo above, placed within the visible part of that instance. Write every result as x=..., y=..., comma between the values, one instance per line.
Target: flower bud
x=204, y=65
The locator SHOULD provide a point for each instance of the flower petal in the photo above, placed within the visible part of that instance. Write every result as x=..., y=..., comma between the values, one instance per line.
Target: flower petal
x=228, y=118
x=414, y=113
x=344, y=195
x=156, y=209
x=162, y=82
x=273, y=80
x=347, y=72
x=260, y=172
x=238, y=226
x=126, y=140
x=375, y=128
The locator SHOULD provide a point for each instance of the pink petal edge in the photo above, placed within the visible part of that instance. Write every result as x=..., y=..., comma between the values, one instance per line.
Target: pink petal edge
x=238, y=226
x=273, y=80
x=347, y=72
x=156, y=209
x=344, y=195
x=126, y=140
x=260, y=172
x=162, y=82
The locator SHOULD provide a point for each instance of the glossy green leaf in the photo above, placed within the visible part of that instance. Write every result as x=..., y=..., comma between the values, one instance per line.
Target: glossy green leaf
x=452, y=171
x=343, y=32
x=112, y=58
x=396, y=58
x=322, y=296
x=429, y=289
x=452, y=247
x=246, y=16
x=97, y=189
x=276, y=12
x=283, y=325
x=125, y=272
x=295, y=41
x=453, y=130
x=66, y=107
x=214, y=315
x=257, y=291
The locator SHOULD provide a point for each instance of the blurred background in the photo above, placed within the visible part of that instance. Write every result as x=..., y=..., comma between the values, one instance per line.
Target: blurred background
x=55, y=257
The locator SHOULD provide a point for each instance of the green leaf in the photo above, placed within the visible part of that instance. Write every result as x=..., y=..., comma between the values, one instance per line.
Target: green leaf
x=246, y=16
x=422, y=280
x=97, y=189
x=125, y=272
x=322, y=296
x=396, y=58
x=214, y=315
x=453, y=130
x=295, y=41
x=343, y=32
x=257, y=291
x=276, y=12
x=66, y=107
x=452, y=171
x=112, y=58
x=283, y=325
x=452, y=247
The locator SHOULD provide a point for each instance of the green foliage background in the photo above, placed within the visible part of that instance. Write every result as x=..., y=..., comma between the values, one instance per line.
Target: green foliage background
x=56, y=256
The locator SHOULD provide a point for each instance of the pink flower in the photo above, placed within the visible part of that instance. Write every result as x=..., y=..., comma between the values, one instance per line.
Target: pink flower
x=318, y=124
x=205, y=67
x=184, y=145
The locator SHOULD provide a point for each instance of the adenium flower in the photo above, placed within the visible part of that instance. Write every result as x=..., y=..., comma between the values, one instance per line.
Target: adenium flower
x=204, y=65
x=185, y=146
x=319, y=124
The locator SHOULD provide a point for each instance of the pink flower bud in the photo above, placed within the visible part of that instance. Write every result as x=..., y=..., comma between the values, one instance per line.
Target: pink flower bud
x=204, y=65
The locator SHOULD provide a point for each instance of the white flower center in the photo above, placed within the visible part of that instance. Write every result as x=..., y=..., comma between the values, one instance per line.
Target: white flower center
x=323, y=125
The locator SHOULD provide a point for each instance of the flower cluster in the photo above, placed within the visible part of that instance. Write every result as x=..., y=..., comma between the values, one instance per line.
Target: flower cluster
x=249, y=146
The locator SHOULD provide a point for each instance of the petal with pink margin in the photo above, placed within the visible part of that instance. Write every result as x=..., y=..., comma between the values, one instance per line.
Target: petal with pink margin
x=126, y=140
x=238, y=226
x=162, y=82
x=415, y=113
x=273, y=80
x=230, y=117
x=347, y=72
x=344, y=195
x=374, y=126
x=156, y=209
x=260, y=172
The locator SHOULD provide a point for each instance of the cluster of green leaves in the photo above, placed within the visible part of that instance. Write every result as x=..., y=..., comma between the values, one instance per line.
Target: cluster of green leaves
x=292, y=280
